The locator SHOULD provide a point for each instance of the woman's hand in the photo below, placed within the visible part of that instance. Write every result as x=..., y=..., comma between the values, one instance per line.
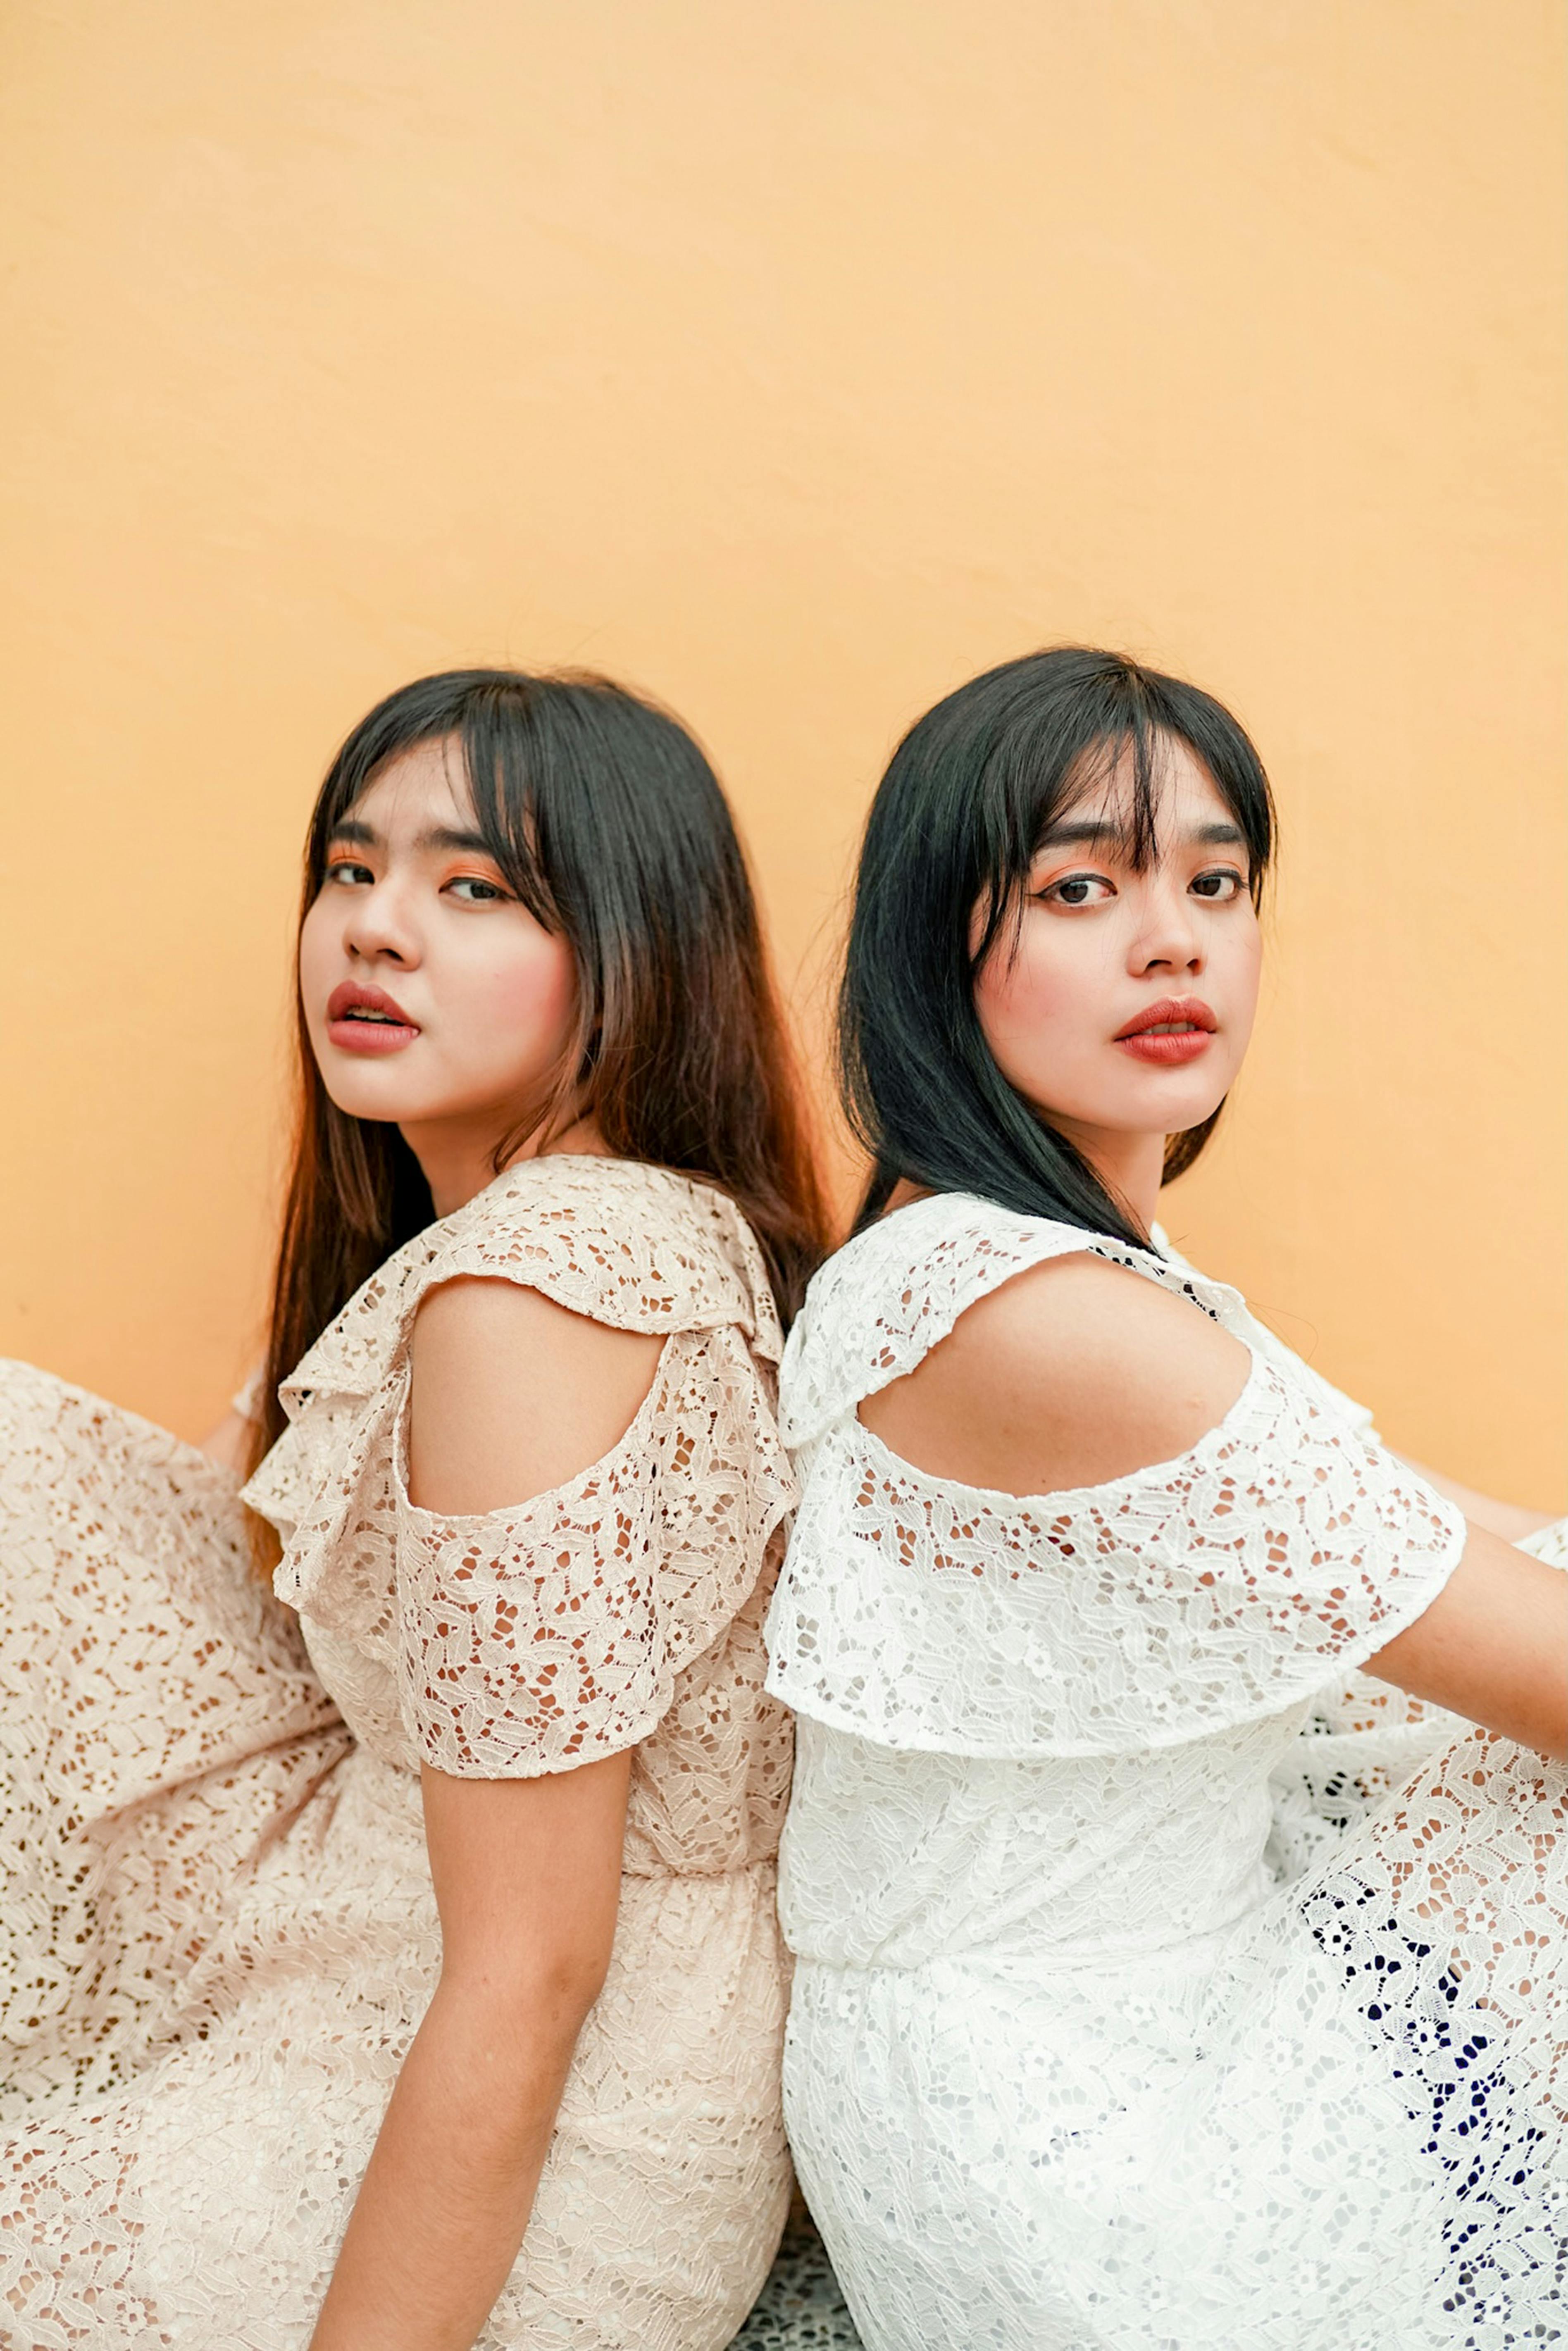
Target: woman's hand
x=528, y=1878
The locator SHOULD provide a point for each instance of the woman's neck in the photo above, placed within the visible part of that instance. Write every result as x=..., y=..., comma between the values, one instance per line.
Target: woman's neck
x=1129, y=1166
x=457, y=1157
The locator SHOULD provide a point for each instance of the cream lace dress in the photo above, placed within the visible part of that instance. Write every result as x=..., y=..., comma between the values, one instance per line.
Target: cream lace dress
x=1162, y=1983
x=222, y=1929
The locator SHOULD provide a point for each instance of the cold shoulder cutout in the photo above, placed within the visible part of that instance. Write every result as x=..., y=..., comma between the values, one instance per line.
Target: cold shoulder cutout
x=1073, y=1374
x=551, y=1633
x=1277, y=1553
x=522, y=1640
x=881, y=1305
x=632, y=1246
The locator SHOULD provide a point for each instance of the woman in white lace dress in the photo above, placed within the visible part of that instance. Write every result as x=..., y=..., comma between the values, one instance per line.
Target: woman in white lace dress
x=1173, y=1968
x=393, y=1962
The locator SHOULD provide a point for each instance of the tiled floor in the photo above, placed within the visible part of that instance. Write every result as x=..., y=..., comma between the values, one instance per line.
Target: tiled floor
x=800, y=2308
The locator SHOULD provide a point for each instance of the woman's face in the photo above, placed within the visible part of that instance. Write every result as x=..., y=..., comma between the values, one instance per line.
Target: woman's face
x=1125, y=1009
x=432, y=998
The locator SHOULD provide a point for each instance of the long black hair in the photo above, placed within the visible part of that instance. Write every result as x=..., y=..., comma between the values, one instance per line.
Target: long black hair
x=954, y=827
x=607, y=821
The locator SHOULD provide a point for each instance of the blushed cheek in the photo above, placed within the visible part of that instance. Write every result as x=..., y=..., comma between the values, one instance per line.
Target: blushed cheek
x=531, y=1002
x=1025, y=1003
x=1245, y=978
x=320, y=953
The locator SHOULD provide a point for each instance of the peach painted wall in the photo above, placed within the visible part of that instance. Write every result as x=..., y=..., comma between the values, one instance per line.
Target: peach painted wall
x=796, y=362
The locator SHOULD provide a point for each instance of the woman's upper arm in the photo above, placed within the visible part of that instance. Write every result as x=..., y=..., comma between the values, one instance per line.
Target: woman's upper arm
x=527, y=1879
x=512, y=1395
x=533, y=1633
x=1071, y=1375
x=1492, y=1646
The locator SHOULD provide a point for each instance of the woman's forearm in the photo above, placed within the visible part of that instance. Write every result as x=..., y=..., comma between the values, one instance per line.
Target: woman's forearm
x=447, y=2195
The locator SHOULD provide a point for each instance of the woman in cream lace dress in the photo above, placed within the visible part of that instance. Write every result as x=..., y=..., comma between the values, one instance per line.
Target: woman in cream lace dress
x=393, y=1960
x=1173, y=1970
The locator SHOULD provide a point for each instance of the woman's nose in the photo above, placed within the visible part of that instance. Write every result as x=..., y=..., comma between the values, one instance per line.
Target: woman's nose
x=379, y=926
x=1169, y=940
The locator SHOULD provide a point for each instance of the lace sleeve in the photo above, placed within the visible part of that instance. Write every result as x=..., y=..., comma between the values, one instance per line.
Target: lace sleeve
x=530, y=1638
x=534, y=1639
x=1256, y=1570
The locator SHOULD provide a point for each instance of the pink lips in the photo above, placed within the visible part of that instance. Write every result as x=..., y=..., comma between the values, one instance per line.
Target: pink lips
x=367, y=1021
x=1175, y=1030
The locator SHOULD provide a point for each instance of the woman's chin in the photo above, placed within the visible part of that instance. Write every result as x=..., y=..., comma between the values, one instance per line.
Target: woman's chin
x=373, y=1094
x=1169, y=1102
x=1161, y=1110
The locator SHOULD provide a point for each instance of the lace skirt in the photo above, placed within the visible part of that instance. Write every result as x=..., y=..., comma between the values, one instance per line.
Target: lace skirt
x=220, y=1937
x=1341, y=2126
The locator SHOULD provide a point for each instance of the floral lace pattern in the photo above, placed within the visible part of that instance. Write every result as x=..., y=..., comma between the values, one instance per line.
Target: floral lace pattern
x=189, y=2121
x=562, y=1636
x=1162, y=1981
x=882, y=1303
x=1275, y=1554
x=160, y=1718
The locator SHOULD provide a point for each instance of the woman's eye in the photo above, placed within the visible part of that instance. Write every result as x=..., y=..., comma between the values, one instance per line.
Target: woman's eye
x=1217, y=887
x=1080, y=890
x=470, y=890
x=347, y=869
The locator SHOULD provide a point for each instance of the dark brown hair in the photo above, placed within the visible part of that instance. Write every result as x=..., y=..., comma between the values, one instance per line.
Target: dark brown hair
x=606, y=819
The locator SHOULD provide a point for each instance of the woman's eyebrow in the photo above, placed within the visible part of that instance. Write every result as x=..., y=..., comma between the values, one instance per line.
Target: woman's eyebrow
x=1071, y=836
x=438, y=836
x=445, y=836
x=1220, y=834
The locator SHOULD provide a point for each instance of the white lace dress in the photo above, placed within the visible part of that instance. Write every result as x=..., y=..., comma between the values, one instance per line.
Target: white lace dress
x=217, y=1897
x=1160, y=1982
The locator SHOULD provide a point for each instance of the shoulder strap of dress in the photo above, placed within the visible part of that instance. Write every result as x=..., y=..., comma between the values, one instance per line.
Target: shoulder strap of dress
x=629, y=1245
x=885, y=1301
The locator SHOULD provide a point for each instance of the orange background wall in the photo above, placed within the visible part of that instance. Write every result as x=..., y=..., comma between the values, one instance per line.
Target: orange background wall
x=796, y=362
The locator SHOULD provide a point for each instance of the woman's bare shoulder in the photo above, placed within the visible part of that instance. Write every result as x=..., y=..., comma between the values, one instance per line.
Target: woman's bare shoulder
x=513, y=1392
x=1073, y=1372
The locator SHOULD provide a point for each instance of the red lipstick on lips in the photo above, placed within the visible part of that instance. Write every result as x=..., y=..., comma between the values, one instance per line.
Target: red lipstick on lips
x=1175, y=1029
x=366, y=1021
